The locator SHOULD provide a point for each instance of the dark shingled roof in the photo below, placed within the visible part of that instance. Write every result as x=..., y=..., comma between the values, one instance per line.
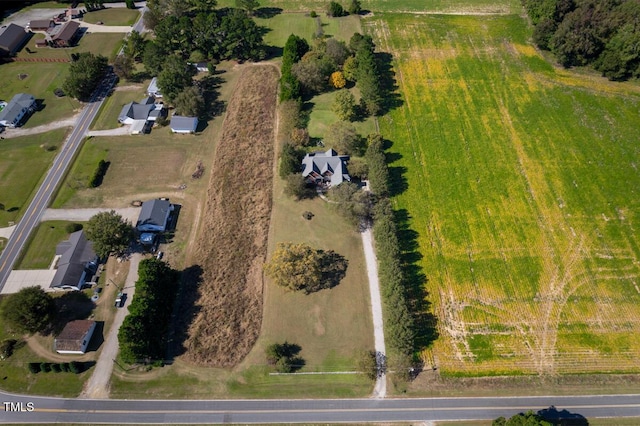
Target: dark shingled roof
x=70, y=339
x=67, y=32
x=76, y=253
x=154, y=212
x=12, y=37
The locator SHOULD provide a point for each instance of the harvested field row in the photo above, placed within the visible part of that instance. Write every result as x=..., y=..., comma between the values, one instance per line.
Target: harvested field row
x=232, y=242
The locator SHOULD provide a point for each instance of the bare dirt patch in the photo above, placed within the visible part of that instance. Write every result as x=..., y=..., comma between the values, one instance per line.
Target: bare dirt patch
x=231, y=245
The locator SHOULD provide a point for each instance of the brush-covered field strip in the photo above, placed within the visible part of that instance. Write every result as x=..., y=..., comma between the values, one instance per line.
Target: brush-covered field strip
x=522, y=183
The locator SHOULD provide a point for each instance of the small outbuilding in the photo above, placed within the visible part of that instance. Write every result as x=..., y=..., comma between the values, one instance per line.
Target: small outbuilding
x=180, y=124
x=41, y=25
x=18, y=108
x=75, y=337
x=12, y=38
x=153, y=89
x=154, y=215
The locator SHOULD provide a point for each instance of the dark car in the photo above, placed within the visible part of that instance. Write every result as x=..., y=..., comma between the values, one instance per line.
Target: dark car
x=120, y=300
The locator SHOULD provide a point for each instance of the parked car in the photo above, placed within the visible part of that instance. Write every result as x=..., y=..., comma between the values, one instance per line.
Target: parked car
x=159, y=255
x=120, y=300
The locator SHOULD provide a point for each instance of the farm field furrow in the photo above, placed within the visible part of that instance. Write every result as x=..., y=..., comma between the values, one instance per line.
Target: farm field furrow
x=522, y=183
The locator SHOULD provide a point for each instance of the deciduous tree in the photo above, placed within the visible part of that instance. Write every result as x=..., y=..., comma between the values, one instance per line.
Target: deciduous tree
x=190, y=102
x=30, y=310
x=109, y=232
x=175, y=77
x=344, y=105
x=299, y=267
x=344, y=139
x=85, y=72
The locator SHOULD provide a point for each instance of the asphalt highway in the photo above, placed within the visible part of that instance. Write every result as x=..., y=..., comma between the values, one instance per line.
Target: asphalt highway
x=28, y=409
x=51, y=181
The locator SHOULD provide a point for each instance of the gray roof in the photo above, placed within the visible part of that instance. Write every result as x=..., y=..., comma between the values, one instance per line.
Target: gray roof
x=154, y=212
x=15, y=107
x=12, y=37
x=329, y=164
x=135, y=111
x=76, y=253
x=147, y=100
x=180, y=123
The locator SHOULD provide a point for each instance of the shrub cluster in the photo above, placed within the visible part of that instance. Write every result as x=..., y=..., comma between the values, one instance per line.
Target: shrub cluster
x=399, y=322
x=284, y=356
x=74, y=367
x=98, y=174
x=6, y=348
x=143, y=333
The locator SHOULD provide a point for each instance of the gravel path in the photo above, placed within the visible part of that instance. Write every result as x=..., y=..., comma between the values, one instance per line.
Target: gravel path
x=14, y=133
x=380, y=389
x=97, y=387
x=83, y=215
x=124, y=130
x=7, y=231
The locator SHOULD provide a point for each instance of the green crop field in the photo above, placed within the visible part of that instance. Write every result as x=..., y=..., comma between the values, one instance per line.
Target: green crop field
x=521, y=181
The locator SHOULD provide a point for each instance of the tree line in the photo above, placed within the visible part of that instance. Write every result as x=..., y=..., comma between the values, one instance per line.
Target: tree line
x=143, y=333
x=602, y=33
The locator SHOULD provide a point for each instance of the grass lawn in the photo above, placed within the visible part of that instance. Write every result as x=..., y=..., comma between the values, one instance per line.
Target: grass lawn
x=108, y=116
x=117, y=16
x=23, y=162
x=520, y=182
x=281, y=26
x=105, y=44
x=469, y=6
x=42, y=248
x=42, y=79
x=322, y=116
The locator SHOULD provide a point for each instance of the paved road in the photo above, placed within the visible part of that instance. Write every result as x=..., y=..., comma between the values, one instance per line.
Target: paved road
x=53, y=410
x=51, y=181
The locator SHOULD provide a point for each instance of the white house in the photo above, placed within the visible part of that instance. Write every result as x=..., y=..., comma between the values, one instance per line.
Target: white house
x=75, y=337
x=180, y=124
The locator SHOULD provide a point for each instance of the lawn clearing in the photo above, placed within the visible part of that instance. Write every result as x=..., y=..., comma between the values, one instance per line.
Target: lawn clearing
x=42, y=247
x=117, y=16
x=105, y=44
x=41, y=80
x=321, y=116
x=281, y=26
x=521, y=184
x=23, y=162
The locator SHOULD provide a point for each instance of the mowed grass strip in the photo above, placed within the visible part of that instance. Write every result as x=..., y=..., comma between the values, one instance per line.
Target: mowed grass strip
x=23, y=162
x=522, y=186
x=231, y=242
x=105, y=44
x=117, y=16
x=42, y=247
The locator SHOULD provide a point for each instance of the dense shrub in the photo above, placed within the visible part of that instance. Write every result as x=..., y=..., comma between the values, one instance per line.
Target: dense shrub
x=72, y=227
x=6, y=348
x=45, y=367
x=284, y=356
x=290, y=161
x=34, y=367
x=55, y=367
x=335, y=9
x=98, y=174
x=65, y=367
x=75, y=367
